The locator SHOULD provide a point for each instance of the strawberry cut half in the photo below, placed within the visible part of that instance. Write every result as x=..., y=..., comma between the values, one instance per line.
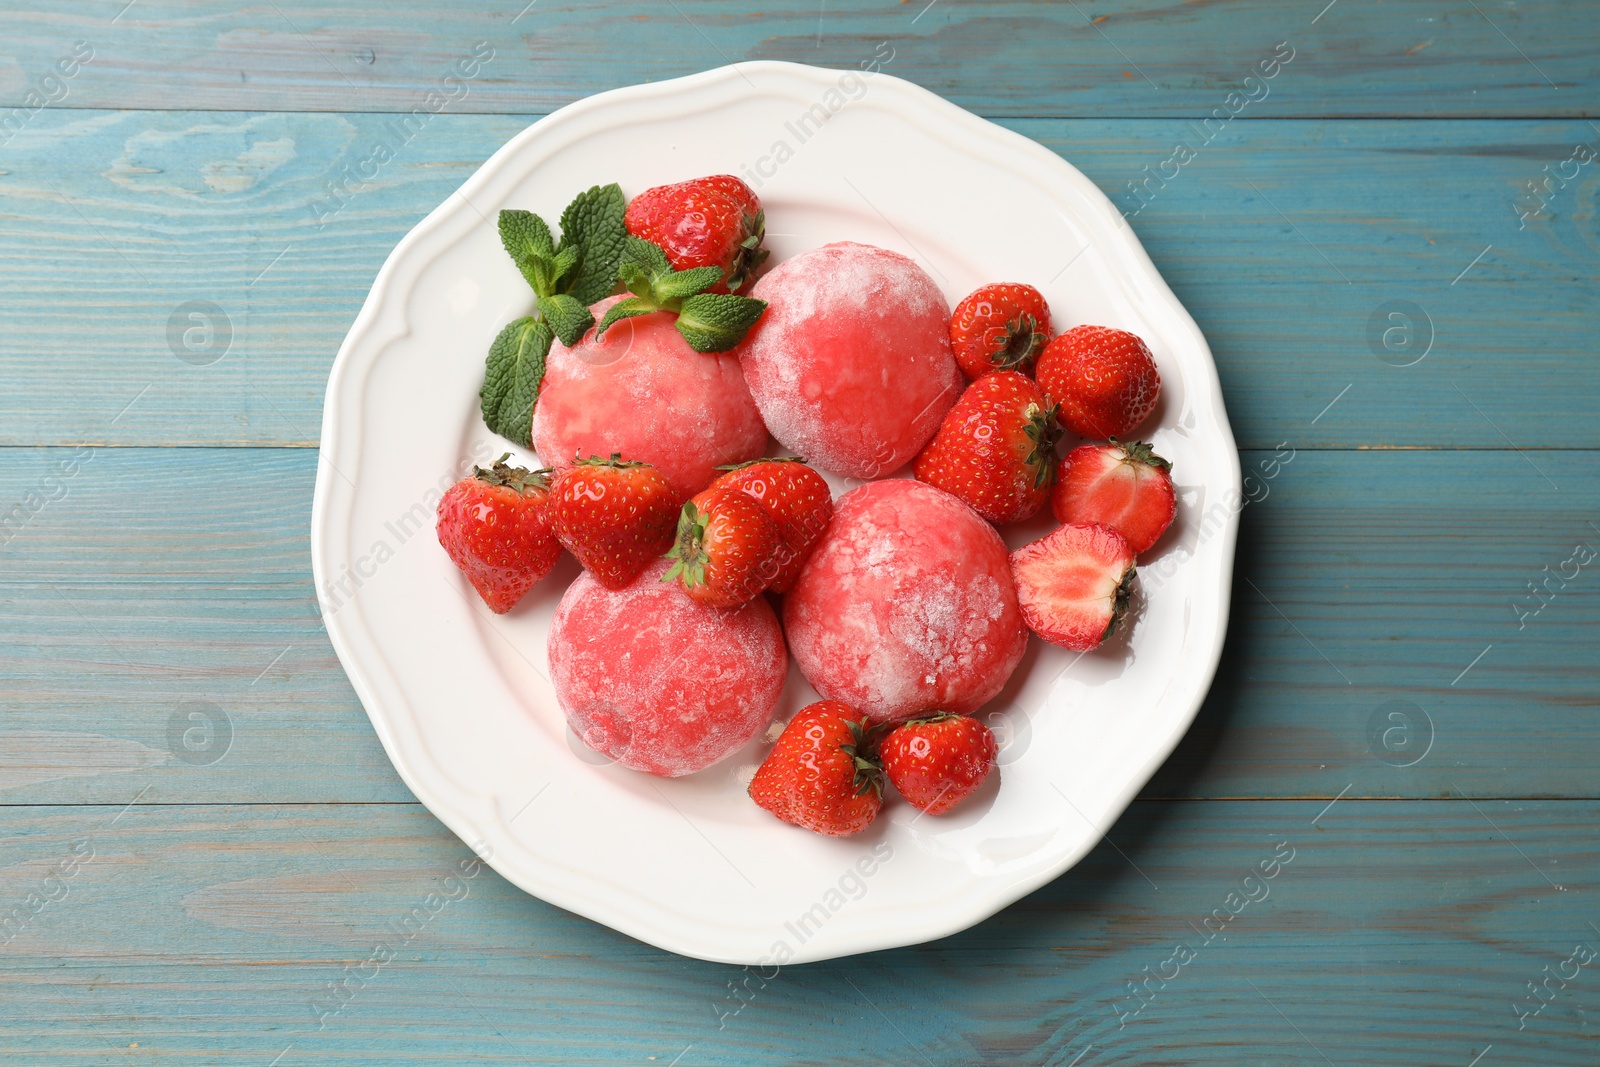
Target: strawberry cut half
x=1125, y=487
x=1073, y=584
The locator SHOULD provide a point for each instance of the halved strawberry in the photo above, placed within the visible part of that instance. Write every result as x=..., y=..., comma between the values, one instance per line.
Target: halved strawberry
x=1125, y=487
x=818, y=775
x=796, y=497
x=615, y=515
x=937, y=762
x=996, y=449
x=1073, y=584
x=727, y=550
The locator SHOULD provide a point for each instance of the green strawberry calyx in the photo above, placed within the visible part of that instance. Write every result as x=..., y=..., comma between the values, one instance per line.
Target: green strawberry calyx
x=520, y=479
x=1142, y=452
x=689, y=549
x=1043, y=431
x=868, y=771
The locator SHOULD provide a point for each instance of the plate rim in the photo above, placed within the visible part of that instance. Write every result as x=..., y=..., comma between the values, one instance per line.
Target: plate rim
x=376, y=326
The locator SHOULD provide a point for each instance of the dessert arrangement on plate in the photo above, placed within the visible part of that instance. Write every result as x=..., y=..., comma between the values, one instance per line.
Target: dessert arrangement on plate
x=665, y=354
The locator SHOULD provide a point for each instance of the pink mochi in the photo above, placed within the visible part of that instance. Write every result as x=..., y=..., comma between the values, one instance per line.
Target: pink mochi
x=661, y=683
x=643, y=392
x=906, y=605
x=851, y=364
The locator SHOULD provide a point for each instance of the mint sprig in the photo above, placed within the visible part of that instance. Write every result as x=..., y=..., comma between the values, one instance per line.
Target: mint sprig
x=512, y=376
x=565, y=277
x=710, y=322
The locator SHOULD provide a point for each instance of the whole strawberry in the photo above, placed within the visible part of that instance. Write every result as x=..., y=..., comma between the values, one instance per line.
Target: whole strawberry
x=1003, y=326
x=727, y=550
x=1105, y=380
x=495, y=526
x=996, y=449
x=615, y=515
x=818, y=775
x=937, y=762
x=1073, y=584
x=1125, y=487
x=706, y=222
x=796, y=497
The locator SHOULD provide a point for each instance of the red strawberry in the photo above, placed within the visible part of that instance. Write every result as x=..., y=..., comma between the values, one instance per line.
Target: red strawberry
x=818, y=776
x=706, y=222
x=798, y=500
x=1125, y=487
x=996, y=449
x=1104, y=380
x=495, y=527
x=728, y=548
x=615, y=515
x=936, y=762
x=1003, y=326
x=1073, y=584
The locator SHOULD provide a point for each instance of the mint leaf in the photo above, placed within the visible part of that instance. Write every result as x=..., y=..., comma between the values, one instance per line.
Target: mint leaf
x=512, y=377
x=625, y=309
x=566, y=258
x=525, y=234
x=715, y=322
x=568, y=318
x=641, y=265
x=527, y=241
x=592, y=224
x=679, y=284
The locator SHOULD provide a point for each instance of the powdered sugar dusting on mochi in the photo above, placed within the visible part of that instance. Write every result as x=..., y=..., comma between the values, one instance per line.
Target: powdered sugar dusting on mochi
x=851, y=363
x=906, y=605
x=643, y=392
x=659, y=683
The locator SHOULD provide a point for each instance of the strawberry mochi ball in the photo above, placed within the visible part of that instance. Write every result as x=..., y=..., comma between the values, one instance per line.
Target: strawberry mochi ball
x=658, y=682
x=851, y=364
x=906, y=605
x=643, y=392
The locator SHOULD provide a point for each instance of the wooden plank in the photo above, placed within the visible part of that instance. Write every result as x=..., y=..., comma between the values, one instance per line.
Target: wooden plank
x=1021, y=57
x=1370, y=583
x=1390, y=934
x=127, y=218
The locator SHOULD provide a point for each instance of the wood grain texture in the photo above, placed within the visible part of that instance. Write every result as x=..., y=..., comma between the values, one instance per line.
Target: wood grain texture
x=1405, y=57
x=1391, y=934
x=1284, y=239
x=1364, y=578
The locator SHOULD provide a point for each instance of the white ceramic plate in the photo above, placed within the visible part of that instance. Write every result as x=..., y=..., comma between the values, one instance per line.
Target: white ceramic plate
x=460, y=698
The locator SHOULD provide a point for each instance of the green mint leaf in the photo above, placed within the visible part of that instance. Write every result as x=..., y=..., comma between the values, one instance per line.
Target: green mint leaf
x=525, y=234
x=715, y=322
x=624, y=309
x=512, y=376
x=641, y=266
x=568, y=318
x=566, y=258
x=527, y=240
x=592, y=225
x=679, y=284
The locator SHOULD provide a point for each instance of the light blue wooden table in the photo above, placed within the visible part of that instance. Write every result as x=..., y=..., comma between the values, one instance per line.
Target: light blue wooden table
x=1391, y=246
